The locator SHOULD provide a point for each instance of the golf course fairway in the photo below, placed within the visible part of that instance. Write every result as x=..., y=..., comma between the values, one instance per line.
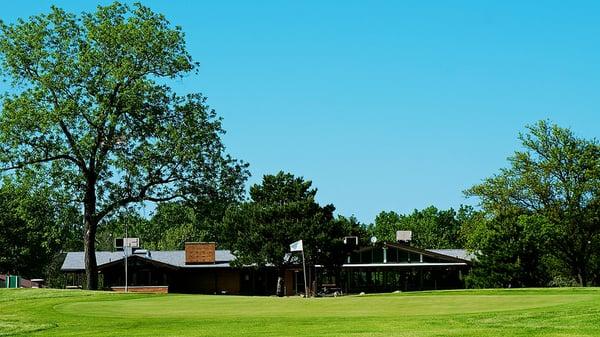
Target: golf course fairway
x=528, y=312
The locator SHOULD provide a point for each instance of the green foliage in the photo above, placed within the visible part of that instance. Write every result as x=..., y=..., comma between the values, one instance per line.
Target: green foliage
x=432, y=228
x=114, y=228
x=510, y=252
x=188, y=221
x=171, y=226
x=555, y=181
x=282, y=210
x=35, y=225
x=90, y=106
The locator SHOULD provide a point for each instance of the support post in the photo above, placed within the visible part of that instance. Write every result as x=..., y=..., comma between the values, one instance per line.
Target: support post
x=385, y=248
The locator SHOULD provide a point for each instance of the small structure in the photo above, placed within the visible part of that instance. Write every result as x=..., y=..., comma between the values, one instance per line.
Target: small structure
x=15, y=281
x=12, y=281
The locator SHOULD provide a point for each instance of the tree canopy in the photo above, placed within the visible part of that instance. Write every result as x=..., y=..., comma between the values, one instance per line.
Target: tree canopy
x=282, y=210
x=550, y=190
x=431, y=228
x=35, y=225
x=90, y=104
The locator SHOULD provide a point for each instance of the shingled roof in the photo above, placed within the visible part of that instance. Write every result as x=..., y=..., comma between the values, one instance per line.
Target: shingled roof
x=75, y=261
x=462, y=254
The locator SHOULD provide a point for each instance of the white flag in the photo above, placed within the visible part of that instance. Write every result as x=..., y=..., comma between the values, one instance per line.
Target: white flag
x=296, y=246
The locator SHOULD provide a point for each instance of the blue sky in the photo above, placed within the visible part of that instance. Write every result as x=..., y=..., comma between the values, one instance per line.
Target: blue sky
x=385, y=105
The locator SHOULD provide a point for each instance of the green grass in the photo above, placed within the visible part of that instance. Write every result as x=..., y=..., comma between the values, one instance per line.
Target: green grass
x=531, y=312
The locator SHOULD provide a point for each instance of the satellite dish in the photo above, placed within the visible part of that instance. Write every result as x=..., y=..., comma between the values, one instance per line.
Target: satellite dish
x=373, y=239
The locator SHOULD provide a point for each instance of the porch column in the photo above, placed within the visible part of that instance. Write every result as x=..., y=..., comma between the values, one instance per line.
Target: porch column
x=384, y=254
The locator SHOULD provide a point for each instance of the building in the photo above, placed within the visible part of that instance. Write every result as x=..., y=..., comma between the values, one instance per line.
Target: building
x=389, y=267
x=201, y=268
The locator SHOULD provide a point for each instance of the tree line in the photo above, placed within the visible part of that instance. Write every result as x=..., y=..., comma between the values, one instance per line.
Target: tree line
x=91, y=134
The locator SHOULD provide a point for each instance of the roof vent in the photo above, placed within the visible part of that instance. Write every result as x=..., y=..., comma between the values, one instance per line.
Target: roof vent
x=404, y=236
x=351, y=241
x=144, y=252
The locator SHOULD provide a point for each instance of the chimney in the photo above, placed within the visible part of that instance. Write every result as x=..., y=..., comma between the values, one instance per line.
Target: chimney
x=199, y=252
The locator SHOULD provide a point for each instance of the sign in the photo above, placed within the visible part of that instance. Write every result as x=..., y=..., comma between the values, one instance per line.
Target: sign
x=131, y=242
x=127, y=242
x=403, y=236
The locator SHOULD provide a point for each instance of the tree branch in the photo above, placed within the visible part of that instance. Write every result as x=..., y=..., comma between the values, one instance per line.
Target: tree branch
x=37, y=161
x=140, y=196
x=73, y=146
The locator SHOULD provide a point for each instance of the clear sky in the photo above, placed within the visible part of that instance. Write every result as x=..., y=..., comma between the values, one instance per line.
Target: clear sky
x=385, y=105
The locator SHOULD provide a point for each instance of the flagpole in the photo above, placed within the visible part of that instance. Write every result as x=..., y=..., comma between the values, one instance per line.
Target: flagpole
x=299, y=247
x=304, y=270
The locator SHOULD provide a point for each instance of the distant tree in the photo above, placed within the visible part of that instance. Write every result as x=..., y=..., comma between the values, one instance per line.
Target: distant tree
x=114, y=227
x=90, y=104
x=386, y=224
x=36, y=223
x=281, y=211
x=198, y=220
x=334, y=252
x=172, y=225
x=432, y=228
x=510, y=251
x=556, y=177
x=349, y=226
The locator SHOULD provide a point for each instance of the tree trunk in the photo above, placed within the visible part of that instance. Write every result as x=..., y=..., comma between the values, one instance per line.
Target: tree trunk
x=91, y=268
x=280, y=283
x=582, y=275
x=89, y=239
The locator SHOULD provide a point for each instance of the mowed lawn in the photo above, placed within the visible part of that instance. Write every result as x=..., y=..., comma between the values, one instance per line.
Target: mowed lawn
x=531, y=312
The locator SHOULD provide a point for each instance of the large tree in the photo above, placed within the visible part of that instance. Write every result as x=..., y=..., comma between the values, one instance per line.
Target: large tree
x=89, y=103
x=282, y=210
x=556, y=178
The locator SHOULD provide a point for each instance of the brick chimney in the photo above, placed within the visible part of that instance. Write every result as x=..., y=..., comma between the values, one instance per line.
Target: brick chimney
x=199, y=252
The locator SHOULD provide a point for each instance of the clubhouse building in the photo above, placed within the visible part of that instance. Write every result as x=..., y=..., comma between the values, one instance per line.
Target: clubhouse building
x=201, y=268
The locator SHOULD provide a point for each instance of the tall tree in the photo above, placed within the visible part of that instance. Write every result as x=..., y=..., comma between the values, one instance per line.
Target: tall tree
x=282, y=210
x=556, y=177
x=90, y=104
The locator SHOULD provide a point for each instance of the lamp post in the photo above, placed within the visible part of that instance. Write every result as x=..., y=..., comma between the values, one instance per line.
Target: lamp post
x=125, y=244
